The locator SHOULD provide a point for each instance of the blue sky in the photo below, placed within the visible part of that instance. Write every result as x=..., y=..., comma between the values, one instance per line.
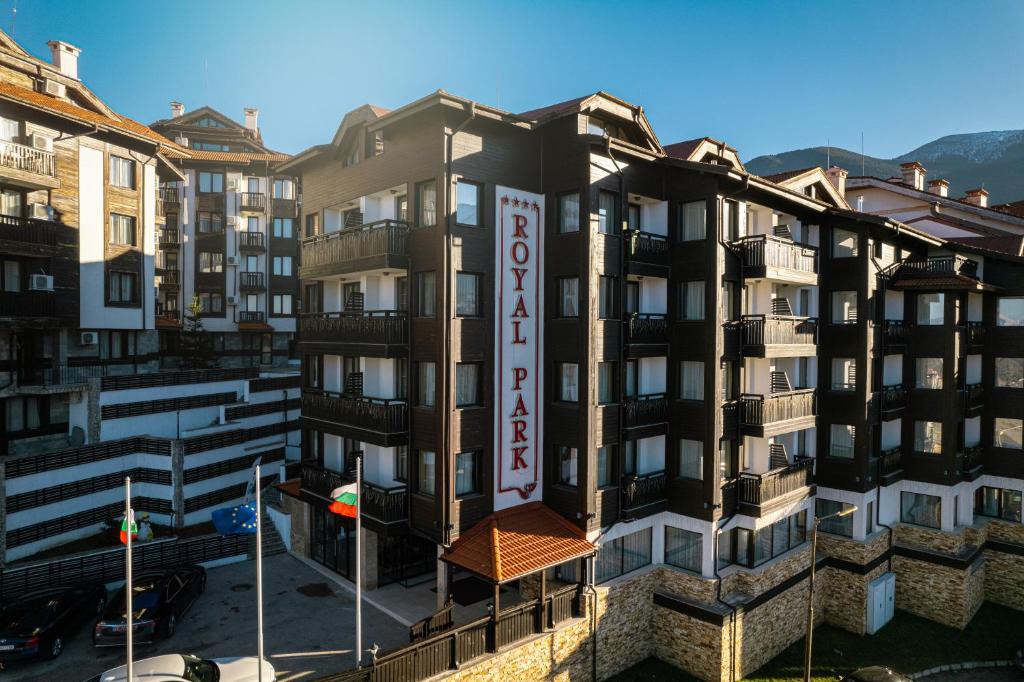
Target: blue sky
x=764, y=76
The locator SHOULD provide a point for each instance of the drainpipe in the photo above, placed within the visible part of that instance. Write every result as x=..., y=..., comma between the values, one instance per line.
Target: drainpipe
x=729, y=250
x=589, y=586
x=718, y=597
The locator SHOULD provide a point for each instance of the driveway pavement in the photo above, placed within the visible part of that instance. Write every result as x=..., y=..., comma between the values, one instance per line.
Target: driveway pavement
x=978, y=675
x=308, y=627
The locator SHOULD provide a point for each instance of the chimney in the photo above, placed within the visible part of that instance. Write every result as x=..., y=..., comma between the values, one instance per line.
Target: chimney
x=939, y=187
x=913, y=174
x=252, y=115
x=837, y=176
x=177, y=109
x=65, y=57
x=976, y=197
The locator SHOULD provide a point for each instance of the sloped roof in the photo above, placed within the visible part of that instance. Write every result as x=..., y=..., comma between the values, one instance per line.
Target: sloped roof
x=684, y=149
x=553, y=109
x=1012, y=245
x=231, y=157
x=518, y=541
x=787, y=175
x=1013, y=208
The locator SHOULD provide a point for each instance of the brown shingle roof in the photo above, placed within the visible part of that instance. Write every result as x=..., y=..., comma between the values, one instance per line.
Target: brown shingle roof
x=1009, y=244
x=518, y=541
x=1013, y=208
x=552, y=109
x=683, y=150
x=786, y=175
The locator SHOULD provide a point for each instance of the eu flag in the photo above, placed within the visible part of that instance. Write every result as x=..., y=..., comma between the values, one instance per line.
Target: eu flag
x=240, y=520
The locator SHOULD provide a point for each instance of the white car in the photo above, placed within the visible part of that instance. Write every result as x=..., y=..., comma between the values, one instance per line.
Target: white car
x=186, y=668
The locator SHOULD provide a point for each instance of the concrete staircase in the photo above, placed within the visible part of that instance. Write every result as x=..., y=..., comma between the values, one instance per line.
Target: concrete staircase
x=272, y=542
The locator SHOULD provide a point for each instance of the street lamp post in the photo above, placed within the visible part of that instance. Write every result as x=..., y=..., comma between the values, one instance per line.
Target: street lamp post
x=810, y=589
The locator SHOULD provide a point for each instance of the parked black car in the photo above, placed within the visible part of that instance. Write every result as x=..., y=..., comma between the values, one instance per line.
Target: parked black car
x=159, y=598
x=876, y=673
x=37, y=624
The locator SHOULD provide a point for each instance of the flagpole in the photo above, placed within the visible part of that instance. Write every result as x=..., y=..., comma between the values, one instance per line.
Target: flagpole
x=259, y=581
x=129, y=620
x=359, y=562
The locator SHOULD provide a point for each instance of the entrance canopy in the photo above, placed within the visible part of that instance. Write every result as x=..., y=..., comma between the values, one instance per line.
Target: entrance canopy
x=518, y=541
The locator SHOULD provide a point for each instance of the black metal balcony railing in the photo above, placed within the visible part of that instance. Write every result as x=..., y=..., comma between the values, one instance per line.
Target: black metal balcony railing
x=767, y=251
x=169, y=236
x=366, y=326
x=253, y=201
x=894, y=332
x=890, y=461
x=975, y=333
x=29, y=230
x=759, y=410
x=970, y=459
x=21, y=157
x=250, y=241
x=381, y=238
x=319, y=480
x=938, y=265
x=250, y=281
x=384, y=504
x=61, y=375
x=640, y=491
x=169, y=276
x=381, y=415
x=894, y=397
x=647, y=328
x=642, y=410
x=251, y=316
x=169, y=315
x=28, y=304
x=974, y=396
x=168, y=195
x=647, y=247
x=760, y=489
x=768, y=330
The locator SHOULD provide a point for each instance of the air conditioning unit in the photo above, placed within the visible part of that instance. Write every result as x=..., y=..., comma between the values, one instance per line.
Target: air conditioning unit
x=232, y=300
x=52, y=87
x=182, y=140
x=232, y=184
x=232, y=221
x=232, y=260
x=89, y=339
x=40, y=211
x=40, y=282
x=42, y=142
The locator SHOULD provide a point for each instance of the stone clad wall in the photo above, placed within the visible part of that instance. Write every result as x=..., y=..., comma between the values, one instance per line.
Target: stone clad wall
x=690, y=644
x=1004, y=579
x=624, y=614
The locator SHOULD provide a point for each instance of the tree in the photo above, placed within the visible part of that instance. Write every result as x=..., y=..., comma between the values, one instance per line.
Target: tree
x=196, y=352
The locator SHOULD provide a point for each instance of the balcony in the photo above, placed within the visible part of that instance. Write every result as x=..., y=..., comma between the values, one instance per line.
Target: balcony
x=758, y=494
x=58, y=376
x=253, y=201
x=169, y=196
x=387, y=505
x=28, y=167
x=373, y=333
x=170, y=238
x=251, y=281
x=169, y=279
x=644, y=411
x=646, y=329
x=35, y=233
x=777, y=413
x=974, y=399
x=168, y=319
x=646, y=254
x=28, y=304
x=320, y=481
x=892, y=401
x=890, y=466
x=373, y=246
x=969, y=463
x=778, y=336
x=894, y=333
x=251, y=241
x=937, y=266
x=773, y=258
x=643, y=492
x=975, y=333
x=251, y=316
x=381, y=421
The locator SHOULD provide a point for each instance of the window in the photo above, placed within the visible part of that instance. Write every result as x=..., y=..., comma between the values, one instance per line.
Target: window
x=467, y=294
x=728, y=370
x=211, y=182
x=467, y=384
x=921, y=510
x=207, y=122
x=122, y=229
x=283, y=266
x=10, y=203
x=11, y=276
x=9, y=129
x=1010, y=311
x=844, y=307
x=691, y=300
x=211, y=261
x=1006, y=433
x=210, y=223
x=425, y=384
x=629, y=457
x=284, y=227
x=633, y=212
x=691, y=380
x=211, y=147
x=844, y=244
x=211, y=302
x=837, y=525
x=122, y=172
x=467, y=200
x=928, y=437
x=693, y=221
x=605, y=383
x=930, y=308
x=567, y=374
x=730, y=311
x=631, y=302
x=753, y=548
x=123, y=287
x=622, y=555
x=467, y=467
x=565, y=465
x=426, y=203
x=844, y=374
x=726, y=455
x=425, y=474
x=605, y=461
x=402, y=463
x=284, y=188
x=425, y=294
x=606, y=214
x=282, y=304
x=683, y=548
x=929, y=373
x=632, y=387
x=569, y=212
x=842, y=438
x=252, y=224
x=999, y=503
x=312, y=224
x=568, y=289
x=691, y=459
x=401, y=293
x=1010, y=372
x=606, y=301
x=730, y=220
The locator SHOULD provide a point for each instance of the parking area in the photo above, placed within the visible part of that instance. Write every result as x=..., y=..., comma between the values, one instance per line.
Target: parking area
x=308, y=627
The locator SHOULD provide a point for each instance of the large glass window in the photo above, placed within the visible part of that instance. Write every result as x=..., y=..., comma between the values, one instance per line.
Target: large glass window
x=568, y=296
x=565, y=465
x=211, y=261
x=842, y=439
x=606, y=213
x=622, y=555
x=282, y=266
x=752, y=548
x=844, y=374
x=122, y=229
x=691, y=300
x=683, y=548
x=122, y=287
x=122, y=172
x=467, y=294
x=426, y=295
x=569, y=212
x=281, y=304
x=605, y=462
x=844, y=307
x=211, y=182
x=467, y=384
x=844, y=244
x=467, y=473
x=605, y=383
x=284, y=188
x=921, y=510
x=1010, y=372
x=210, y=302
x=929, y=373
x=606, y=300
x=426, y=203
x=931, y=308
x=928, y=437
x=837, y=525
x=210, y=223
x=402, y=463
x=1006, y=433
x=691, y=459
x=1010, y=311
x=691, y=380
x=693, y=221
x=426, y=473
x=283, y=228
x=426, y=387
x=467, y=198
x=567, y=374
x=999, y=503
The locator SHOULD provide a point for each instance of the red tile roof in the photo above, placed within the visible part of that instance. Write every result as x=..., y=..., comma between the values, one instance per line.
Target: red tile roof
x=232, y=157
x=518, y=541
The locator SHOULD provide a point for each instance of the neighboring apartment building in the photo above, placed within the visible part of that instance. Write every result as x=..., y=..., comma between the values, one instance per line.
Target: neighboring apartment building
x=230, y=239
x=685, y=361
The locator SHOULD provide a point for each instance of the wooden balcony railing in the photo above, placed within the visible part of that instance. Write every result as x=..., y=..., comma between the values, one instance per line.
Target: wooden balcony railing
x=251, y=241
x=767, y=251
x=938, y=265
x=250, y=281
x=27, y=159
x=367, y=326
x=643, y=490
x=28, y=304
x=382, y=238
x=647, y=247
x=759, y=410
x=388, y=505
x=642, y=410
x=894, y=332
x=251, y=316
x=169, y=315
x=647, y=328
x=168, y=195
x=381, y=415
x=758, y=489
x=30, y=230
x=768, y=330
x=253, y=201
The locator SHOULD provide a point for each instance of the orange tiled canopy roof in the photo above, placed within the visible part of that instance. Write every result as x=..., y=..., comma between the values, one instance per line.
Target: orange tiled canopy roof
x=518, y=541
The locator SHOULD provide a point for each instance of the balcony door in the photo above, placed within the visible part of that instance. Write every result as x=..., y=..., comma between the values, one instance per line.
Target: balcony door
x=632, y=385
x=312, y=296
x=10, y=203
x=253, y=185
x=632, y=302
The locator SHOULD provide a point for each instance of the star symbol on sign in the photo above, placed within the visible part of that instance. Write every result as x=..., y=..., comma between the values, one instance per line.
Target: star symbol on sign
x=536, y=206
x=504, y=199
x=515, y=202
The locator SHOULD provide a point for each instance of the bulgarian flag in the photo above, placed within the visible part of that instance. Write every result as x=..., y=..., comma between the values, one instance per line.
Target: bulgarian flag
x=344, y=501
x=125, y=525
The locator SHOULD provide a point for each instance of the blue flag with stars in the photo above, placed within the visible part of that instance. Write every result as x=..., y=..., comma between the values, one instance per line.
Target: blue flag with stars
x=240, y=520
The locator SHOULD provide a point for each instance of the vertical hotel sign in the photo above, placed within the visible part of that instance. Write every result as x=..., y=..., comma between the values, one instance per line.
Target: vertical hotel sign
x=518, y=337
